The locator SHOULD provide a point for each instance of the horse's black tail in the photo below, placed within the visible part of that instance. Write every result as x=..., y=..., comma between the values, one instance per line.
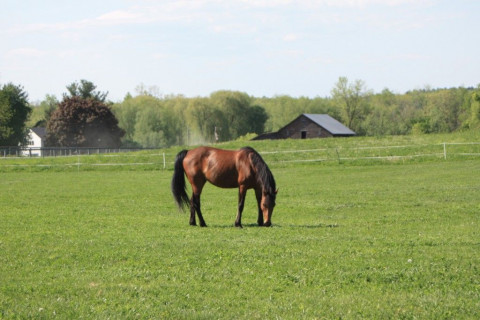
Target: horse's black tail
x=179, y=188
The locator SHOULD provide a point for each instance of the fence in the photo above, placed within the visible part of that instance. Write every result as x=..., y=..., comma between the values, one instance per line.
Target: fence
x=379, y=153
x=60, y=151
x=164, y=160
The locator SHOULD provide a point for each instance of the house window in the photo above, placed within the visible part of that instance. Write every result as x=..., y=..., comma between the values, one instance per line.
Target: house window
x=304, y=134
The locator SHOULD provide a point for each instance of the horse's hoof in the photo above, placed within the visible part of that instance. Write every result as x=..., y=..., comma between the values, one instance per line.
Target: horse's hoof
x=203, y=225
x=267, y=224
x=238, y=225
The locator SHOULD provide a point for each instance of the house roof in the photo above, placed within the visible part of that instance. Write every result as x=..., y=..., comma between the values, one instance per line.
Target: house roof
x=39, y=131
x=330, y=124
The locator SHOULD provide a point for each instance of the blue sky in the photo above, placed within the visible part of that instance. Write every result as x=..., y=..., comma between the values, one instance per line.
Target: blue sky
x=263, y=48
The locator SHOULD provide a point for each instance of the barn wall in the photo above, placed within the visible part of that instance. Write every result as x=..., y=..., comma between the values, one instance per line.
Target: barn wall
x=294, y=130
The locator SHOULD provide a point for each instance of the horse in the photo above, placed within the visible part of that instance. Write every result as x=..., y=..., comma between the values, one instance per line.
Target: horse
x=243, y=169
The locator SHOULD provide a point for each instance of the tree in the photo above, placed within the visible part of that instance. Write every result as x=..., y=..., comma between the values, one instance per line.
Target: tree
x=203, y=117
x=257, y=116
x=473, y=121
x=85, y=90
x=14, y=112
x=239, y=114
x=352, y=98
x=79, y=122
x=41, y=113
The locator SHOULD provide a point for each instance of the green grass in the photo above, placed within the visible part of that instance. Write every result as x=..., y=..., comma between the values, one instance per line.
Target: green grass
x=355, y=240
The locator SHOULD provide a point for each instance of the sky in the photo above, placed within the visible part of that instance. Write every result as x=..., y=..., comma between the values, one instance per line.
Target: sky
x=264, y=48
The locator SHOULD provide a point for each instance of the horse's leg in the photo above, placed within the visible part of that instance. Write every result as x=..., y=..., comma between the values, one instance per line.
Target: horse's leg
x=242, y=193
x=199, y=212
x=195, y=203
x=195, y=207
x=258, y=195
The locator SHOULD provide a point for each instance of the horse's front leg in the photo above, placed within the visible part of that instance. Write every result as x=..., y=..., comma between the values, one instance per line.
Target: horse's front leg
x=242, y=193
x=258, y=195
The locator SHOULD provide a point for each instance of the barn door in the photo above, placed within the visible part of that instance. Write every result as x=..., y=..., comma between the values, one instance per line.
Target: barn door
x=304, y=134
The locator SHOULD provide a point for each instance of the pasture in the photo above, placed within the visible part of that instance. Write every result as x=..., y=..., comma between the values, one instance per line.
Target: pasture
x=349, y=240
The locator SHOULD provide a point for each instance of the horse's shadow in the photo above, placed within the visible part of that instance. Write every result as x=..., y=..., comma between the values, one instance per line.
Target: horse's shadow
x=274, y=226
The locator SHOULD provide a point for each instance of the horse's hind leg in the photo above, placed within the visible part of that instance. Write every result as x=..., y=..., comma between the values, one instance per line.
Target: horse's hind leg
x=197, y=186
x=196, y=207
x=193, y=205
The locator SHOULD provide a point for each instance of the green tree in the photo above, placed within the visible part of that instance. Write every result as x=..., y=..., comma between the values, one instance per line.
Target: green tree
x=149, y=130
x=126, y=114
x=14, y=112
x=473, y=120
x=443, y=109
x=41, y=113
x=381, y=118
x=234, y=107
x=79, y=122
x=85, y=90
x=353, y=101
x=202, y=118
x=150, y=121
x=257, y=116
x=239, y=116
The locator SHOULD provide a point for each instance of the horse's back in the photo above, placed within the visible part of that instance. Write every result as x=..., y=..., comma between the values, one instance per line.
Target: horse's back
x=223, y=168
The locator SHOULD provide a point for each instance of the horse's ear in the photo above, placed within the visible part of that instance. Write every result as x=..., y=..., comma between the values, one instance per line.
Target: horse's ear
x=276, y=191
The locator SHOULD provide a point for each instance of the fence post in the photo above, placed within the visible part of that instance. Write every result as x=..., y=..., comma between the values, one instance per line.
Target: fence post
x=445, y=151
x=164, y=161
x=338, y=155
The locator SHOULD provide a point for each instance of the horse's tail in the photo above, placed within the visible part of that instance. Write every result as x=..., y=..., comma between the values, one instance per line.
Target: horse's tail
x=179, y=188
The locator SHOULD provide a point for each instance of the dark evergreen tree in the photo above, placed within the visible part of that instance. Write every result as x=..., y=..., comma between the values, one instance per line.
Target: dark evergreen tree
x=14, y=112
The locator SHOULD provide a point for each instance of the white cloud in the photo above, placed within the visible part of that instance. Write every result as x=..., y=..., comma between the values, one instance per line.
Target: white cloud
x=119, y=17
x=330, y=3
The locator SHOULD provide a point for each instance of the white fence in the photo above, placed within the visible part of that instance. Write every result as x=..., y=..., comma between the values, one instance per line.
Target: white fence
x=59, y=151
x=386, y=153
x=162, y=160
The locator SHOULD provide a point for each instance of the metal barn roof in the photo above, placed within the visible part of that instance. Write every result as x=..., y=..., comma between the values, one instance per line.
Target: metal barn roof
x=329, y=124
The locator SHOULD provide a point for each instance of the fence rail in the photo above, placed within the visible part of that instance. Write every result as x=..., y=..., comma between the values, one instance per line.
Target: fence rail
x=60, y=151
x=164, y=160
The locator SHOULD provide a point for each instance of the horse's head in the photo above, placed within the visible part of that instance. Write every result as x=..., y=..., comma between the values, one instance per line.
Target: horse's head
x=267, y=205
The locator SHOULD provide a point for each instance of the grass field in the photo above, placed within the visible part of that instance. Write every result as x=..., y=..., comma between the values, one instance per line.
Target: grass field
x=350, y=240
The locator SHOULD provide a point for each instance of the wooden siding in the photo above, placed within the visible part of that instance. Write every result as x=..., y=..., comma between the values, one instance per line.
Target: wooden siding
x=303, y=125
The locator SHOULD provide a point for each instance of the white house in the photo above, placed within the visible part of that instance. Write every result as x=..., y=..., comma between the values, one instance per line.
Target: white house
x=35, y=142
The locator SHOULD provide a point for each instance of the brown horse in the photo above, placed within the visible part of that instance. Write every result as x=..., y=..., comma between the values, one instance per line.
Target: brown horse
x=243, y=169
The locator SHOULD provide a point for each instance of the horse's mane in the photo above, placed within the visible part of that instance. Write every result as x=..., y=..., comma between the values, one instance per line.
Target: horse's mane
x=264, y=175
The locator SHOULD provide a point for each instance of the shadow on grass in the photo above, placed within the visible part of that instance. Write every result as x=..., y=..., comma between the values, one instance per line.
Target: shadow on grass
x=254, y=225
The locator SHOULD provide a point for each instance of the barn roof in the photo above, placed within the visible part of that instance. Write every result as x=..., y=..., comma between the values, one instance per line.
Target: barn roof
x=330, y=124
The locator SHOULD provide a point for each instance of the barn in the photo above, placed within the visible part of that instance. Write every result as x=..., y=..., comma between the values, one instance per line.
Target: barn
x=307, y=126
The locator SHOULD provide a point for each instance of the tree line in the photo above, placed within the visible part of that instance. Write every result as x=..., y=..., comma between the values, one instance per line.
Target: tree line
x=150, y=120
x=84, y=116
